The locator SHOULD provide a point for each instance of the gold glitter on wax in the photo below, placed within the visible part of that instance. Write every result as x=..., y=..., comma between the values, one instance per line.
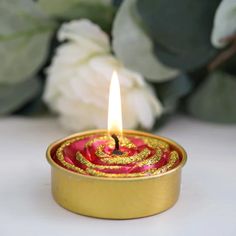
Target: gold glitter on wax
x=110, y=163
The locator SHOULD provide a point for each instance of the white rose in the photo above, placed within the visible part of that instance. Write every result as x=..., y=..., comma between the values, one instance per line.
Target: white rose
x=78, y=82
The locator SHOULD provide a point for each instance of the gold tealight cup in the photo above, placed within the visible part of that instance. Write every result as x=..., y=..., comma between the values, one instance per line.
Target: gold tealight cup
x=115, y=198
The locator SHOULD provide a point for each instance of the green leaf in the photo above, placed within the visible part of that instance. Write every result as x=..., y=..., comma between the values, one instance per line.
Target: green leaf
x=62, y=8
x=99, y=11
x=224, y=22
x=171, y=91
x=12, y=97
x=134, y=47
x=214, y=100
x=229, y=65
x=34, y=107
x=24, y=37
x=181, y=30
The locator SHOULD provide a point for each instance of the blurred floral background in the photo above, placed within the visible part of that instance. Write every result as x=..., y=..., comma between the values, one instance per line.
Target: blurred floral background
x=57, y=58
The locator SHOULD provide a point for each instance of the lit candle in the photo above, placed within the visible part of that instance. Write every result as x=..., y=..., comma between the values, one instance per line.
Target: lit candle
x=115, y=112
x=114, y=106
x=88, y=164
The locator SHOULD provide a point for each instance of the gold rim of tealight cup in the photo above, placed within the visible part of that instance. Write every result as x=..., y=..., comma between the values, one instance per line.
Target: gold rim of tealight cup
x=68, y=186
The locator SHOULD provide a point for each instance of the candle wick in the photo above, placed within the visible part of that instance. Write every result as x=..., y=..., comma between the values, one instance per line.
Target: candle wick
x=117, y=150
x=117, y=145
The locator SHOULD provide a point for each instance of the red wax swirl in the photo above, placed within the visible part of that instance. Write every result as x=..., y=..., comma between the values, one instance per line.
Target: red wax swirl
x=93, y=155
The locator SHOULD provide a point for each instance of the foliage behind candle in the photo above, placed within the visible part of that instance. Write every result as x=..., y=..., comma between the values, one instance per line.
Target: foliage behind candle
x=184, y=49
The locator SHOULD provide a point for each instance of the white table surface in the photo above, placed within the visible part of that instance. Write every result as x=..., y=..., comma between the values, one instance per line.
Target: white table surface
x=207, y=204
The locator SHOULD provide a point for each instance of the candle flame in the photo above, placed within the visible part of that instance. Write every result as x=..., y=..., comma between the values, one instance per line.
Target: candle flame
x=114, y=106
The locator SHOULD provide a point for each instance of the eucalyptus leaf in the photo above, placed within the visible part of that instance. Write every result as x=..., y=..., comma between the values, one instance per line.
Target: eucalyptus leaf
x=224, y=22
x=24, y=38
x=215, y=98
x=61, y=8
x=134, y=47
x=230, y=65
x=170, y=92
x=181, y=30
x=117, y=2
x=34, y=107
x=12, y=97
x=99, y=11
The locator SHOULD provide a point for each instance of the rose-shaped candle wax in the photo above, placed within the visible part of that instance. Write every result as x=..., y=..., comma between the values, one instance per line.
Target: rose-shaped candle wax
x=94, y=155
